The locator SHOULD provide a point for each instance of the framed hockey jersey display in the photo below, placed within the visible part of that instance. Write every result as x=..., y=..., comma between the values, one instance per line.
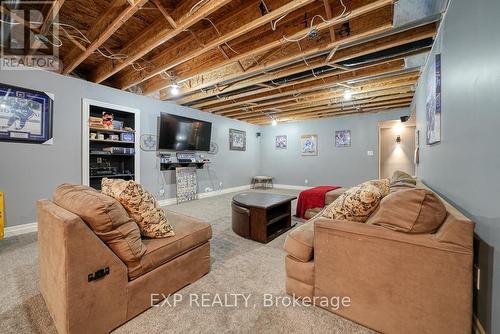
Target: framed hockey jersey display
x=25, y=115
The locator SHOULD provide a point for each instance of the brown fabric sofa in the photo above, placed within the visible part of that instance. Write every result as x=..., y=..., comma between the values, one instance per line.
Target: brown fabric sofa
x=397, y=282
x=329, y=198
x=70, y=251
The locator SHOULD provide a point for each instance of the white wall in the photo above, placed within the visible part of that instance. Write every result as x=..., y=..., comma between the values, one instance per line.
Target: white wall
x=29, y=172
x=464, y=167
x=345, y=166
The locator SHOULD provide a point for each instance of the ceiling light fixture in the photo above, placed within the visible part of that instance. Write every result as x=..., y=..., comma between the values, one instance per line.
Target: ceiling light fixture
x=274, y=122
x=175, y=89
x=347, y=95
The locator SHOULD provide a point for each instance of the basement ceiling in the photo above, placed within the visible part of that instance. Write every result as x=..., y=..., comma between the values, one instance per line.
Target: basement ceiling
x=252, y=60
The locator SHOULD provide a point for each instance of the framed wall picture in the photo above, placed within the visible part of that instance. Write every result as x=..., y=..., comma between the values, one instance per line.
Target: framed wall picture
x=281, y=142
x=433, y=102
x=237, y=140
x=309, y=145
x=25, y=115
x=343, y=138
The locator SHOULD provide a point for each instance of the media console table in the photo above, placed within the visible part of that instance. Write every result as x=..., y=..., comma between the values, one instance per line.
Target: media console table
x=261, y=216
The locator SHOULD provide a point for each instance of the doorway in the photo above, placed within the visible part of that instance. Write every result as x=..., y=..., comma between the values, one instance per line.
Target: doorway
x=396, y=147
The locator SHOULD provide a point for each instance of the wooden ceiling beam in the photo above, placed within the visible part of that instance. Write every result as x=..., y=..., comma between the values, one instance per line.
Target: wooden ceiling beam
x=328, y=112
x=333, y=106
x=160, y=63
x=323, y=100
x=326, y=81
x=352, y=111
x=153, y=37
x=118, y=12
x=52, y=13
x=412, y=35
x=390, y=41
x=165, y=14
x=329, y=16
x=404, y=86
x=217, y=106
x=158, y=83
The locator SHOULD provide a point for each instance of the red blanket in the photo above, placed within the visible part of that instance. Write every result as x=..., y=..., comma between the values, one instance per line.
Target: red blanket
x=312, y=198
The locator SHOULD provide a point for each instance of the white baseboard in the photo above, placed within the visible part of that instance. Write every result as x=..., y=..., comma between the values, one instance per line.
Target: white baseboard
x=171, y=201
x=12, y=231
x=287, y=186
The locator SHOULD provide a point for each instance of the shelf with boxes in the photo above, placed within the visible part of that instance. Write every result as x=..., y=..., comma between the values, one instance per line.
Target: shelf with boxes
x=111, y=147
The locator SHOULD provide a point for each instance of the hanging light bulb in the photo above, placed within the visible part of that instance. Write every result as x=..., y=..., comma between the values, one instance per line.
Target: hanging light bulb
x=347, y=95
x=174, y=89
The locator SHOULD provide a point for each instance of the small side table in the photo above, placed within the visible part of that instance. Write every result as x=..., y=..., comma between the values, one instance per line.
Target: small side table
x=262, y=182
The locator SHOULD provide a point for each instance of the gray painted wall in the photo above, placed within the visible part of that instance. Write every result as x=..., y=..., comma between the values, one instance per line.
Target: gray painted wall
x=465, y=166
x=394, y=156
x=332, y=166
x=29, y=172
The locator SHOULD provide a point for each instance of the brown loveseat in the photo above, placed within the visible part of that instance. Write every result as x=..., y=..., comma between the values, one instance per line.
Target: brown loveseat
x=86, y=285
x=397, y=282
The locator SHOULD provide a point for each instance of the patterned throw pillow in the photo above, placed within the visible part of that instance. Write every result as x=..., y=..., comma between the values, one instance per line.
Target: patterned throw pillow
x=141, y=206
x=359, y=202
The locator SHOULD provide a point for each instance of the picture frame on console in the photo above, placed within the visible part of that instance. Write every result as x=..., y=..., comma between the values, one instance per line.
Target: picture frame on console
x=25, y=115
x=237, y=140
x=309, y=145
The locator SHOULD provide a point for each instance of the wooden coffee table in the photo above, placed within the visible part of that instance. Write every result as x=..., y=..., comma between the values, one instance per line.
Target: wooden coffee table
x=261, y=216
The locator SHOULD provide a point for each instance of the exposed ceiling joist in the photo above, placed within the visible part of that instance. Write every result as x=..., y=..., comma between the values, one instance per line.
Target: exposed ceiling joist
x=154, y=36
x=118, y=12
x=160, y=63
x=159, y=83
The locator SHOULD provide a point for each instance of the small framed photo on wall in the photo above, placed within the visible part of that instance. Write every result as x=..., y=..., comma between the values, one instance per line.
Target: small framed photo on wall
x=343, y=138
x=281, y=142
x=237, y=140
x=309, y=145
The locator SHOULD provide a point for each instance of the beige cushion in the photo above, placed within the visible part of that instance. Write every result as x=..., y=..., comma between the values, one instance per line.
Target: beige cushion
x=400, y=176
x=358, y=203
x=106, y=217
x=333, y=195
x=300, y=242
x=141, y=206
x=189, y=233
x=410, y=211
x=401, y=185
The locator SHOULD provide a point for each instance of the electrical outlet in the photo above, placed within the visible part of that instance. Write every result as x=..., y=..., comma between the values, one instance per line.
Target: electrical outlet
x=370, y=153
x=220, y=185
x=306, y=181
x=162, y=192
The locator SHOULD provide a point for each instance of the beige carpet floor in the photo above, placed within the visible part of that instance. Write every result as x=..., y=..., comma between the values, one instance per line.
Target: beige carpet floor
x=239, y=266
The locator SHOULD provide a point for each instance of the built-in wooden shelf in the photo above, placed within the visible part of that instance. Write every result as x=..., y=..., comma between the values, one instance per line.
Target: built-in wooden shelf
x=111, y=141
x=104, y=154
x=110, y=130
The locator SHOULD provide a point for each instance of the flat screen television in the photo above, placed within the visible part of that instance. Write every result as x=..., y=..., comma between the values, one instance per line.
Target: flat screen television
x=183, y=134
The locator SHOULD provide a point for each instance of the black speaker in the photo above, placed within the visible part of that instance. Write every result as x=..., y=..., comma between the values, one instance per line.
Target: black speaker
x=404, y=118
x=258, y=134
